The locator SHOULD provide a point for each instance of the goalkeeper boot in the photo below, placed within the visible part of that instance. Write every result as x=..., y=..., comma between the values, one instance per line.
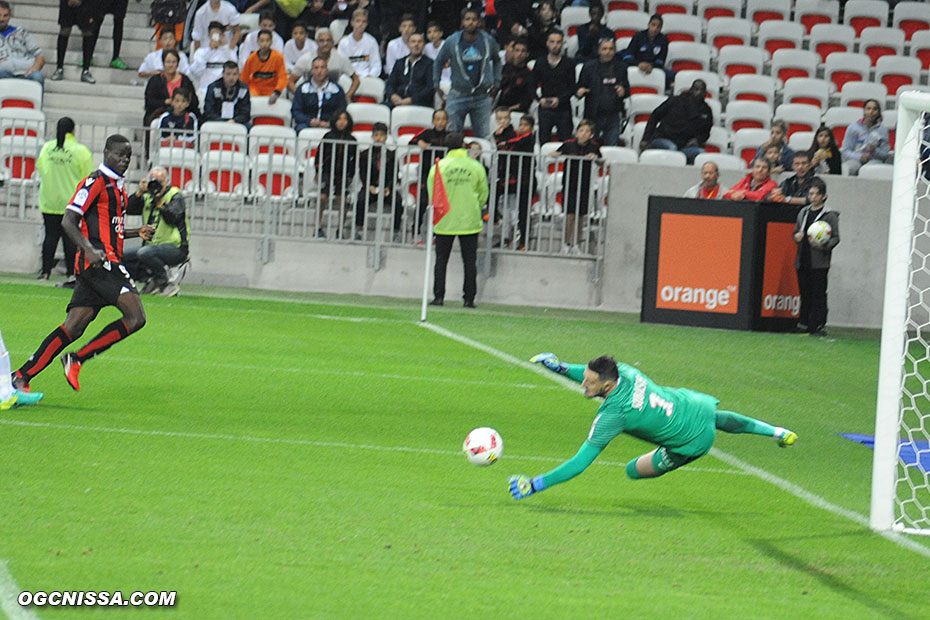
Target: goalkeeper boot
x=72, y=367
x=24, y=399
x=785, y=437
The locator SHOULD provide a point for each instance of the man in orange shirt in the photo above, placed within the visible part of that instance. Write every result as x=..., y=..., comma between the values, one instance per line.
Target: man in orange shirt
x=264, y=71
x=756, y=185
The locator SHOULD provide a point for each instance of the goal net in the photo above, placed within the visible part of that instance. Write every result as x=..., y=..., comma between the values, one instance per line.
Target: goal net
x=901, y=469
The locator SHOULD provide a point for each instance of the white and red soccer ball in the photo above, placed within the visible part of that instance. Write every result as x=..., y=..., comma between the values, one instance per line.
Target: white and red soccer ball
x=483, y=446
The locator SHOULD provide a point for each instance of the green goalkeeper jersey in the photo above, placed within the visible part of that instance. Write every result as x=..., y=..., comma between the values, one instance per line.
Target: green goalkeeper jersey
x=679, y=419
x=669, y=417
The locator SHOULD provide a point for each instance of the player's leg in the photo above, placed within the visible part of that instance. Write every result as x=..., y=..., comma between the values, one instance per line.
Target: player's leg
x=732, y=422
x=79, y=317
x=657, y=463
x=9, y=396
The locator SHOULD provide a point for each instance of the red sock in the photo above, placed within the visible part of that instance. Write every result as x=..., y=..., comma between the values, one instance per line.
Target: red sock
x=108, y=336
x=53, y=344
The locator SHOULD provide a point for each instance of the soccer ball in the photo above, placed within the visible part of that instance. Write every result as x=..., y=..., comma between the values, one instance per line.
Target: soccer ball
x=483, y=446
x=819, y=233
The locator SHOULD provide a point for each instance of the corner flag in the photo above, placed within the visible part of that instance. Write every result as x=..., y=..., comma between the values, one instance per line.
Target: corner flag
x=440, y=199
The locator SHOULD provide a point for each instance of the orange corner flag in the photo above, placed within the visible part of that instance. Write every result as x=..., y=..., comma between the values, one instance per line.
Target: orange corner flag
x=440, y=199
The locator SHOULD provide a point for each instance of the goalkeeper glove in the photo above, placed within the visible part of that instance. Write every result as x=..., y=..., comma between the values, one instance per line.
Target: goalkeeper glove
x=550, y=361
x=523, y=486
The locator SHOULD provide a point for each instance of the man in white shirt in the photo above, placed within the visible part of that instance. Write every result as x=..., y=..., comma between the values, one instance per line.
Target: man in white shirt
x=400, y=47
x=338, y=64
x=207, y=66
x=298, y=45
x=250, y=43
x=360, y=47
x=152, y=64
x=216, y=11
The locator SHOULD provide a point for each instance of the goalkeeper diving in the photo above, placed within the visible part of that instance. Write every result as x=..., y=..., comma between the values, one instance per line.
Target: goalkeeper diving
x=681, y=422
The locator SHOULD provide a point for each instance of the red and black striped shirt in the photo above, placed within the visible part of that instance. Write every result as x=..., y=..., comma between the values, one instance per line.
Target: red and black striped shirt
x=100, y=199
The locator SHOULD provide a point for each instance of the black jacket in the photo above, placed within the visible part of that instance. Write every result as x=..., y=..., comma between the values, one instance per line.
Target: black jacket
x=680, y=118
x=602, y=100
x=641, y=49
x=588, y=42
x=218, y=94
x=517, y=87
x=557, y=81
x=414, y=80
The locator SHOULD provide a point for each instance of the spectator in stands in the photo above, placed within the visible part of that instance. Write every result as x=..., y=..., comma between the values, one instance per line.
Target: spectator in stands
x=152, y=64
x=264, y=70
x=393, y=12
x=377, y=172
x=448, y=13
x=338, y=64
x=82, y=14
x=168, y=15
x=298, y=45
x=516, y=181
x=648, y=49
x=778, y=136
x=476, y=74
x=62, y=164
x=518, y=90
x=286, y=13
x=825, y=153
x=399, y=47
x=591, y=34
x=432, y=144
x=227, y=98
x=411, y=80
x=756, y=185
x=209, y=60
x=20, y=57
x=250, y=42
x=361, y=48
x=603, y=85
x=317, y=99
x=794, y=189
x=179, y=124
x=583, y=152
x=161, y=87
x=554, y=75
x=316, y=16
x=772, y=152
x=350, y=6
x=335, y=165
x=680, y=123
x=116, y=8
x=544, y=22
x=709, y=188
x=812, y=261
x=504, y=130
x=216, y=11
x=867, y=139
x=162, y=206
x=514, y=19
x=434, y=43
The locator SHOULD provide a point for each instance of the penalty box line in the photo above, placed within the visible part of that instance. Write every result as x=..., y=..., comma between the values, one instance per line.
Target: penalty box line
x=789, y=487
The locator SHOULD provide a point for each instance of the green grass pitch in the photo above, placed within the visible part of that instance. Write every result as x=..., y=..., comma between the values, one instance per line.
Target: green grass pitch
x=298, y=456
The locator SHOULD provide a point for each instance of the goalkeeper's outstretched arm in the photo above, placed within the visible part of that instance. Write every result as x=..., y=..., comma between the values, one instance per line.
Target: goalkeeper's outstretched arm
x=575, y=372
x=522, y=486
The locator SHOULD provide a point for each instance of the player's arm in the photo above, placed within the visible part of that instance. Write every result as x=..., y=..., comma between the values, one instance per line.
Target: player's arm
x=575, y=372
x=71, y=225
x=522, y=486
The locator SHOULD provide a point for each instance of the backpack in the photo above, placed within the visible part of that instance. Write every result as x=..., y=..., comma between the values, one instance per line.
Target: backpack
x=169, y=11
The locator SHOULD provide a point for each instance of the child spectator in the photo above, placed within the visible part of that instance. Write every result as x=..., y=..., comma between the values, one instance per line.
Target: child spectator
x=778, y=135
x=812, y=261
x=208, y=62
x=434, y=44
x=867, y=139
x=432, y=142
x=377, y=172
x=400, y=47
x=518, y=90
x=504, y=130
x=576, y=180
x=216, y=11
x=516, y=178
x=179, y=124
x=298, y=45
x=335, y=165
x=264, y=70
x=250, y=42
x=825, y=153
x=361, y=48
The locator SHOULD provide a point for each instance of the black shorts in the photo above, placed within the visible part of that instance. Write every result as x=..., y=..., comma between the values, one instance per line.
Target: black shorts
x=116, y=8
x=101, y=286
x=84, y=16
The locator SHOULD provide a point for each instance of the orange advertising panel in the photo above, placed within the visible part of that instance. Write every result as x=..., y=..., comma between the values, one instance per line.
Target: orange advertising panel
x=699, y=263
x=780, y=296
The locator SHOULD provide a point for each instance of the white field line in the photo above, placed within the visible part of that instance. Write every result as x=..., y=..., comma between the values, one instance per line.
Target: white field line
x=298, y=442
x=9, y=591
x=789, y=487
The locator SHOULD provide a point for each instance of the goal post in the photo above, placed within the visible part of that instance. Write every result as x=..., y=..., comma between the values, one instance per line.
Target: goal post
x=901, y=488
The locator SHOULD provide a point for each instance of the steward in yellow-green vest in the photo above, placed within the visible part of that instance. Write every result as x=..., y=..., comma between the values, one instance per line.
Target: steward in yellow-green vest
x=466, y=184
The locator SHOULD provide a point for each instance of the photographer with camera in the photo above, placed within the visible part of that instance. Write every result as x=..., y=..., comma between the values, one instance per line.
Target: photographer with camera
x=162, y=207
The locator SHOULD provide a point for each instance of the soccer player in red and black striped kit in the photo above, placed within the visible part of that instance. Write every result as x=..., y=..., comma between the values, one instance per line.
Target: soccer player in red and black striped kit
x=94, y=221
